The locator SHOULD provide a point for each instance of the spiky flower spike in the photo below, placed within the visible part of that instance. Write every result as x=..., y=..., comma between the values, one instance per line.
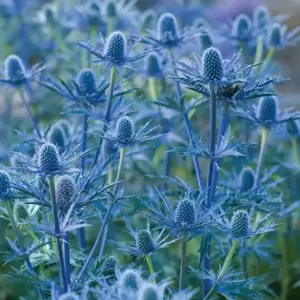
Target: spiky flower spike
x=153, y=65
x=241, y=26
x=149, y=291
x=111, y=10
x=48, y=158
x=130, y=279
x=69, y=296
x=14, y=69
x=275, y=36
x=247, y=178
x=4, y=184
x=261, y=17
x=185, y=213
x=57, y=136
x=20, y=213
x=240, y=224
x=125, y=130
x=144, y=242
x=110, y=263
x=65, y=191
x=167, y=27
x=87, y=82
x=212, y=64
x=116, y=47
x=268, y=108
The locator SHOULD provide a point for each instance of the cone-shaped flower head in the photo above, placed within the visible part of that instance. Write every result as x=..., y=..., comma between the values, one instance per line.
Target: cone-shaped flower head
x=153, y=65
x=14, y=69
x=242, y=26
x=276, y=36
x=212, y=64
x=65, y=191
x=240, y=224
x=261, y=16
x=20, y=212
x=149, y=291
x=86, y=81
x=4, y=184
x=167, y=27
x=292, y=127
x=110, y=263
x=69, y=296
x=57, y=136
x=185, y=213
x=115, y=49
x=268, y=108
x=247, y=179
x=124, y=130
x=48, y=158
x=144, y=242
x=205, y=40
x=130, y=279
x=111, y=10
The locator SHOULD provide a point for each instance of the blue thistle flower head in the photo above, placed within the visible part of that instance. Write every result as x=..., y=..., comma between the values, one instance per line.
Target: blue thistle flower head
x=48, y=158
x=20, y=213
x=110, y=263
x=57, y=136
x=212, y=65
x=149, y=291
x=124, y=130
x=65, y=190
x=130, y=279
x=261, y=17
x=242, y=27
x=69, y=296
x=153, y=66
x=116, y=48
x=240, y=224
x=86, y=81
x=167, y=28
x=205, y=40
x=144, y=242
x=14, y=69
x=247, y=178
x=276, y=35
x=111, y=10
x=185, y=213
x=268, y=109
x=292, y=128
x=5, y=183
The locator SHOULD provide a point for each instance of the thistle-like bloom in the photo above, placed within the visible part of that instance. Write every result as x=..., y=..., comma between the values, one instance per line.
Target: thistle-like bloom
x=150, y=291
x=240, y=224
x=125, y=135
x=58, y=135
x=113, y=52
x=153, y=66
x=279, y=37
x=20, y=213
x=167, y=34
x=15, y=74
x=267, y=114
x=261, y=17
x=5, y=185
x=49, y=161
x=145, y=242
x=247, y=178
x=130, y=279
x=242, y=28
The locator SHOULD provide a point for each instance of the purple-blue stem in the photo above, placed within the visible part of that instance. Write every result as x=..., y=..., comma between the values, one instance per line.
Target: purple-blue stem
x=67, y=257
x=20, y=241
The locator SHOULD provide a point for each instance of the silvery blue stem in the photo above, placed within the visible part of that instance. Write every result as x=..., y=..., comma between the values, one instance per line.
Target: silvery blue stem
x=20, y=241
x=67, y=257
x=212, y=147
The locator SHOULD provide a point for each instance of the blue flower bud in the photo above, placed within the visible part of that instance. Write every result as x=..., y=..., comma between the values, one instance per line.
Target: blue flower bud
x=125, y=130
x=185, y=213
x=247, y=178
x=69, y=296
x=240, y=224
x=86, y=81
x=292, y=127
x=20, y=213
x=149, y=291
x=4, y=184
x=48, y=158
x=65, y=191
x=57, y=136
x=268, y=108
x=261, y=16
x=205, y=40
x=153, y=65
x=130, y=279
x=115, y=49
x=111, y=10
x=275, y=36
x=242, y=27
x=144, y=242
x=212, y=63
x=14, y=69
x=167, y=28
x=110, y=263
